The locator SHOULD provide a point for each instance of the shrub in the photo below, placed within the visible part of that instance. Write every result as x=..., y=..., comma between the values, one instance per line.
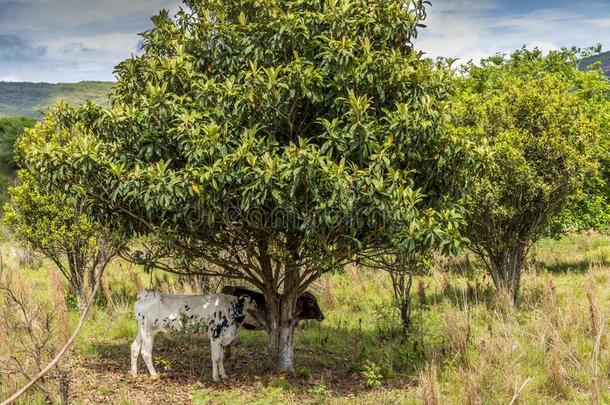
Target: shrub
x=541, y=119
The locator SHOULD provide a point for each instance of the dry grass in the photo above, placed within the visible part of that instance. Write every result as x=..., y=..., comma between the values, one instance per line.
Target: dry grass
x=467, y=345
x=428, y=383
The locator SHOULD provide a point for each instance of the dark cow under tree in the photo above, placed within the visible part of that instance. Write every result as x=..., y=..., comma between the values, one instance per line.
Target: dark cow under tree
x=306, y=306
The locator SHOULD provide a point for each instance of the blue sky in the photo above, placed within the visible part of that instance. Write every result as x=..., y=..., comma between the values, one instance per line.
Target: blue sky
x=74, y=40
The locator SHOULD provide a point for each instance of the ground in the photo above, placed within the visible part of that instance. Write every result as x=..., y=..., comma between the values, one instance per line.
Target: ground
x=466, y=344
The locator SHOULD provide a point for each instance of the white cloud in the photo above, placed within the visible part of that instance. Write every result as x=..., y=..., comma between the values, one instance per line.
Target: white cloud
x=11, y=78
x=81, y=39
x=85, y=39
x=466, y=30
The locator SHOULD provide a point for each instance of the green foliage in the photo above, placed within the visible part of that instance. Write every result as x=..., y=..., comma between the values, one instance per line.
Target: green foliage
x=597, y=61
x=271, y=141
x=349, y=122
x=57, y=227
x=10, y=129
x=303, y=373
x=42, y=220
x=542, y=120
x=30, y=99
x=371, y=373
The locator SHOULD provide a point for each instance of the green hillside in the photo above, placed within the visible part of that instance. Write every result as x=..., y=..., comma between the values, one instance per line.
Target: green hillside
x=29, y=99
x=603, y=58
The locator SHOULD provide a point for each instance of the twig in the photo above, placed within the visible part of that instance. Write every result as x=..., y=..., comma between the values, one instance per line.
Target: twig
x=63, y=350
x=527, y=381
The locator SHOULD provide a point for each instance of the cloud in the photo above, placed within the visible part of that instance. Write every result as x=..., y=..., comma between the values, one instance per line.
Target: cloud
x=76, y=47
x=15, y=48
x=71, y=40
x=469, y=29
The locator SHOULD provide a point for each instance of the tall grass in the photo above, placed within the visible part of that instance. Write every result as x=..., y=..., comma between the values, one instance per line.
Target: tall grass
x=466, y=345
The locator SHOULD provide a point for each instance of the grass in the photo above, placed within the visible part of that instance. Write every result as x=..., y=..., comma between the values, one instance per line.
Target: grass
x=467, y=346
x=31, y=99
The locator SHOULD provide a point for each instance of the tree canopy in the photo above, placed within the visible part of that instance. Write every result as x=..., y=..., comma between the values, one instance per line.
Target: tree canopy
x=57, y=226
x=542, y=120
x=269, y=141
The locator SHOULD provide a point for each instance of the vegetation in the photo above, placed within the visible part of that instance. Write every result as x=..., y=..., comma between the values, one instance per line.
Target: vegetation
x=542, y=120
x=466, y=345
x=31, y=99
x=10, y=129
x=598, y=60
x=299, y=144
x=235, y=157
x=56, y=226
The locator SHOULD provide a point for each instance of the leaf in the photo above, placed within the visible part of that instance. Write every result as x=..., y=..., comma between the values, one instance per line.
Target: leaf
x=242, y=18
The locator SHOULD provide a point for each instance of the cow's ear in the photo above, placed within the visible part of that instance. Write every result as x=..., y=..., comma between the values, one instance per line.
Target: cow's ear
x=299, y=307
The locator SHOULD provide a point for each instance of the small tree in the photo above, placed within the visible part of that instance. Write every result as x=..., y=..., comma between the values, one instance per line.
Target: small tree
x=31, y=332
x=57, y=227
x=268, y=141
x=541, y=119
x=402, y=269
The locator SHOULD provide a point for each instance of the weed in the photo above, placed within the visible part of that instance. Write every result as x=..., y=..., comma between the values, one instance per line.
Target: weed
x=164, y=363
x=319, y=391
x=429, y=385
x=372, y=375
x=303, y=373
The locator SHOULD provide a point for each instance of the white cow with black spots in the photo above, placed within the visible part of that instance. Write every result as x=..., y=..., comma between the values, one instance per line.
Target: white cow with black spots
x=217, y=316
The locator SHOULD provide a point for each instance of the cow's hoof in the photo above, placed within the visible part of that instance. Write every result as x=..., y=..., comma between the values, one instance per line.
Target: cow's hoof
x=155, y=377
x=133, y=376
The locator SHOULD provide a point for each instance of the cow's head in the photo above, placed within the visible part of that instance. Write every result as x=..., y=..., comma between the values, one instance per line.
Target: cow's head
x=308, y=308
x=249, y=310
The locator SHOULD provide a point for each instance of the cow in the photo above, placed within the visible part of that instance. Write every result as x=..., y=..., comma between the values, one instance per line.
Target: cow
x=217, y=316
x=307, y=305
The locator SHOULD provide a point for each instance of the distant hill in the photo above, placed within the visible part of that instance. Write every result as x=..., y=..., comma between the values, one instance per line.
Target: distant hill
x=29, y=99
x=604, y=58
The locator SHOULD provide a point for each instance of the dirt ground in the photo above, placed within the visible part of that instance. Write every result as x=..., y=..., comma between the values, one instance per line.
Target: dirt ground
x=186, y=378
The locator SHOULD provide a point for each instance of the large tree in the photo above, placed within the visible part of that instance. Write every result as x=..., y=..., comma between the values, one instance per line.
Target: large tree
x=543, y=121
x=269, y=141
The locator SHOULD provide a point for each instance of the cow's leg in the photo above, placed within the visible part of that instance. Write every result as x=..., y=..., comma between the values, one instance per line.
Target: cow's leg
x=229, y=347
x=227, y=351
x=135, y=353
x=221, y=366
x=216, y=350
x=147, y=347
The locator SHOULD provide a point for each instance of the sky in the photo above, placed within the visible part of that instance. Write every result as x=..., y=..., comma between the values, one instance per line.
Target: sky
x=75, y=40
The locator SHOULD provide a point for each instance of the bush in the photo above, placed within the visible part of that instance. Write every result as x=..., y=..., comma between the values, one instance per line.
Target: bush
x=541, y=119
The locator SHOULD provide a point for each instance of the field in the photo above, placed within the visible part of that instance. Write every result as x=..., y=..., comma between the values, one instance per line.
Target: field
x=465, y=346
x=30, y=99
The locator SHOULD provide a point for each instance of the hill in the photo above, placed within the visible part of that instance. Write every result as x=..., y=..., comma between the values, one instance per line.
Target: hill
x=29, y=99
x=604, y=58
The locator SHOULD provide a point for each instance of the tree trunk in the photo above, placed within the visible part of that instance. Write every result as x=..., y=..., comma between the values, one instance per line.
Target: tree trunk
x=402, y=281
x=506, y=269
x=76, y=282
x=280, y=340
